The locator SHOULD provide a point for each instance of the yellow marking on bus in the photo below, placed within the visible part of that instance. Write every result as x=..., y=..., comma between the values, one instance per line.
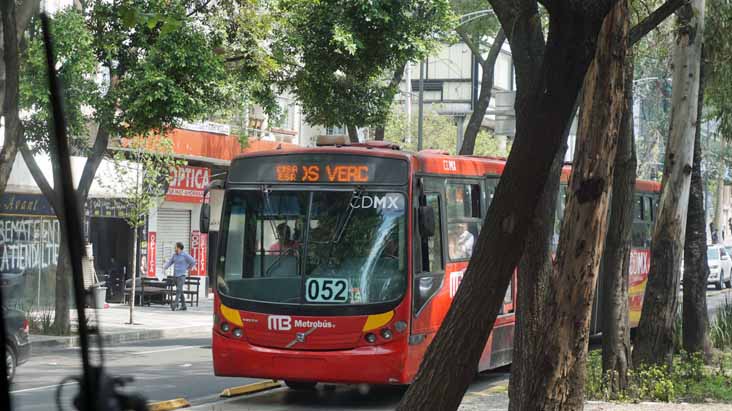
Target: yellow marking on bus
x=377, y=320
x=231, y=315
x=168, y=405
x=250, y=388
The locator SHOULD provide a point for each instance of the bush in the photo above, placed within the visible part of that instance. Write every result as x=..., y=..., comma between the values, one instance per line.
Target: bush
x=687, y=380
x=720, y=331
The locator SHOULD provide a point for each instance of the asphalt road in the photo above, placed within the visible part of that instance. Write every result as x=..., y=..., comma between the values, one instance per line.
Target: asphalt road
x=173, y=368
x=163, y=370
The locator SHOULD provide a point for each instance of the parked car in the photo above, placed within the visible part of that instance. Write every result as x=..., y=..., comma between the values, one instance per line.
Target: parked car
x=17, y=349
x=720, y=267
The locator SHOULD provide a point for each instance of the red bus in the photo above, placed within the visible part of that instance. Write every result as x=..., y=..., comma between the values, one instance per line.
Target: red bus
x=338, y=264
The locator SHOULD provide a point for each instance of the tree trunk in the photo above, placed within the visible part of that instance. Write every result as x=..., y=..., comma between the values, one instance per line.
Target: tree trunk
x=657, y=322
x=134, y=275
x=393, y=89
x=616, y=260
x=534, y=271
x=558, y=375
x=543, y=111
x=695, y=316
x=352, y=134
x=484, y=98
x=718, y=205
x=13, y=127
x=61, y=323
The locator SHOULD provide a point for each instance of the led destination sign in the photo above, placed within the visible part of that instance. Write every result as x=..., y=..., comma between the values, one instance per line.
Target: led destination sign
x=310, y=168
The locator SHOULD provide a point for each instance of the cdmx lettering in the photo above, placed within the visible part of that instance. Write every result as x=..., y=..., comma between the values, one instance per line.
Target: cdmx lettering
x=384, y=202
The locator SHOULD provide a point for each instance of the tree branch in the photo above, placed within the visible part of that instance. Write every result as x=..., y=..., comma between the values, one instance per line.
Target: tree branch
x=474, y=48
x=199, y=8
x=9, y=103
x=39, y=178
x=25, y=10
x=654, y=19
x=92, y=164
x=496, y=47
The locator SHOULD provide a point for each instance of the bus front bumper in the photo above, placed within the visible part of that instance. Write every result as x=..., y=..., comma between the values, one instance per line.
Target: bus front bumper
x=378, y=364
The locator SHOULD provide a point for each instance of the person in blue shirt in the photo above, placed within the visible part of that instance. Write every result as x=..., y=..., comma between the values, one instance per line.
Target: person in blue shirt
x=181, y=262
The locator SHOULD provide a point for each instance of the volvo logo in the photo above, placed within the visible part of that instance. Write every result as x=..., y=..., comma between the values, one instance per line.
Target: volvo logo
x=300, y=337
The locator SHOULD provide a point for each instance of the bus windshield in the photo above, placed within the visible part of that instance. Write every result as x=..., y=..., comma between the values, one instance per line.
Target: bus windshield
x=313, y=247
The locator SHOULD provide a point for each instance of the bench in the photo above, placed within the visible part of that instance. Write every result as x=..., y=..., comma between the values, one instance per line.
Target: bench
x=147, y=291
x=190, y=290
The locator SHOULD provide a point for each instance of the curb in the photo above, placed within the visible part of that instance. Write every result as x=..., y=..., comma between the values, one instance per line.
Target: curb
x=250, y=389
x=63, y=343
x=168, y=405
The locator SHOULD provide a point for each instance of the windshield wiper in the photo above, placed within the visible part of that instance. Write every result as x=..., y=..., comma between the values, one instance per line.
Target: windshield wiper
x=342, y=227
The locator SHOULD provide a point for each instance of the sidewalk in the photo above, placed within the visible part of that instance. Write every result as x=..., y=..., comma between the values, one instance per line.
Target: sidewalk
x=154, y=322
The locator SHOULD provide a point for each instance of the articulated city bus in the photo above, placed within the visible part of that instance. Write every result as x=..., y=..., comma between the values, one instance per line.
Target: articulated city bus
x=338, y=264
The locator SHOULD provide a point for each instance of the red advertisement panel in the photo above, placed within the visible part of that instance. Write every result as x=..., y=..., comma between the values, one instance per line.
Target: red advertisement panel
x=151, y=253
x=203, y=256
x=187, y=184
x=195, y=250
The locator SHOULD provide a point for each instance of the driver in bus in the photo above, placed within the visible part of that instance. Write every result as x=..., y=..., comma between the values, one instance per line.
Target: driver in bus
x=284, y=244
x=461, y=241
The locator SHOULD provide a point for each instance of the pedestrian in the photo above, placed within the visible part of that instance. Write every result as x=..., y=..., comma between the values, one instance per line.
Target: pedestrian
x=181, y=262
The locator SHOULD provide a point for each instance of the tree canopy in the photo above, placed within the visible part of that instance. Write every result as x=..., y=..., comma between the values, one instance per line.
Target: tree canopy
x=339, y=55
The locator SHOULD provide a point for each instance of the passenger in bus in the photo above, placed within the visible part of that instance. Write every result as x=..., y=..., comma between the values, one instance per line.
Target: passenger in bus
x=460, y=241
x=284, y=244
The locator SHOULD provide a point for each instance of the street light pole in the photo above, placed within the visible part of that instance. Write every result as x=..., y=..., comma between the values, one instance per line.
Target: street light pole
x=420, y=122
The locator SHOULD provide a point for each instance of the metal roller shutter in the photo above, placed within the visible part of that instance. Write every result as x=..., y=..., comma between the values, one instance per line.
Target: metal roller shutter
x=173, y=226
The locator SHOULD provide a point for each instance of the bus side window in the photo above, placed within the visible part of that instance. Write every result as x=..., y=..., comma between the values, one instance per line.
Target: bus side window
x=428, y=281
x=463, y=219
x=433, y=259
x=508, y=306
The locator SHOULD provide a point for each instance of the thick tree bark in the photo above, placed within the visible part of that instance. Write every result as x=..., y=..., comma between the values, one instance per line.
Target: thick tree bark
x=534, y=271
x=543, y=111
x=486, y=90
x=558, y=374
x=616, y=260
x=694, y=310
x=352, y=134
x=11, y=63
x=657, y=323
x=396, y=78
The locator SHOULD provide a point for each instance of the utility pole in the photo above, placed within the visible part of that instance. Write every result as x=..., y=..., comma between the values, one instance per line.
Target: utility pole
x=420, y=122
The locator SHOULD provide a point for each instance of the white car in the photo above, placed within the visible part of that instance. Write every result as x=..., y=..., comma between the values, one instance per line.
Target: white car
x=720, y=267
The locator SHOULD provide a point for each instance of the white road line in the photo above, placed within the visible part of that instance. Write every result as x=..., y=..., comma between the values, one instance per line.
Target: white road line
x=34, y=389
x=167, y=349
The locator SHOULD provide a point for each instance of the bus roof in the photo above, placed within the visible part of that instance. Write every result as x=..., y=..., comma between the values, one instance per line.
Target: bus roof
x=433, y=162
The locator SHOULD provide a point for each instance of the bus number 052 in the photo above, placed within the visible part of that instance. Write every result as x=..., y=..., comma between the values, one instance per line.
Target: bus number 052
x=326, y=290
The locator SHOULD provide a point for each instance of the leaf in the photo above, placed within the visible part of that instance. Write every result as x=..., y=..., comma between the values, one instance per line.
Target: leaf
x=129, y=16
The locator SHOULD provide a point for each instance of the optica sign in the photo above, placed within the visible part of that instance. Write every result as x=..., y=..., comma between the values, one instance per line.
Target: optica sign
x=187, y=184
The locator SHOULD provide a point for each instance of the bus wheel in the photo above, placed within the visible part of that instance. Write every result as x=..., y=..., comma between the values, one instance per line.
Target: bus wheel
x=301, y=385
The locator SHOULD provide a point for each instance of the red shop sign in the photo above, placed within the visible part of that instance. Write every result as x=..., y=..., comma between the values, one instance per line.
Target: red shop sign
x=187, y=184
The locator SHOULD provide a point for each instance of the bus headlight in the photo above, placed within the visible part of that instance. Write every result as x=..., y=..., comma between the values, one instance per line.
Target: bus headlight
x=237, y=332
x=370, y=337
x=386, y=333
x=225, y=327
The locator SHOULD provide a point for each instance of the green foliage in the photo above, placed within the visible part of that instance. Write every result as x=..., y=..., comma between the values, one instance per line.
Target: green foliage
x=688, y=380
x=720, y=331
x=150, y=164
x=341, y=55
x=440, y=133
x=718, y=63
x=141, y=66
x=76, y=68
x=652, y=95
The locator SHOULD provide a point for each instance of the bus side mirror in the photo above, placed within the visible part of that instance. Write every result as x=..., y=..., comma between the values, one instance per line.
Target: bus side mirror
x=426, y=221
x=205, y=218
